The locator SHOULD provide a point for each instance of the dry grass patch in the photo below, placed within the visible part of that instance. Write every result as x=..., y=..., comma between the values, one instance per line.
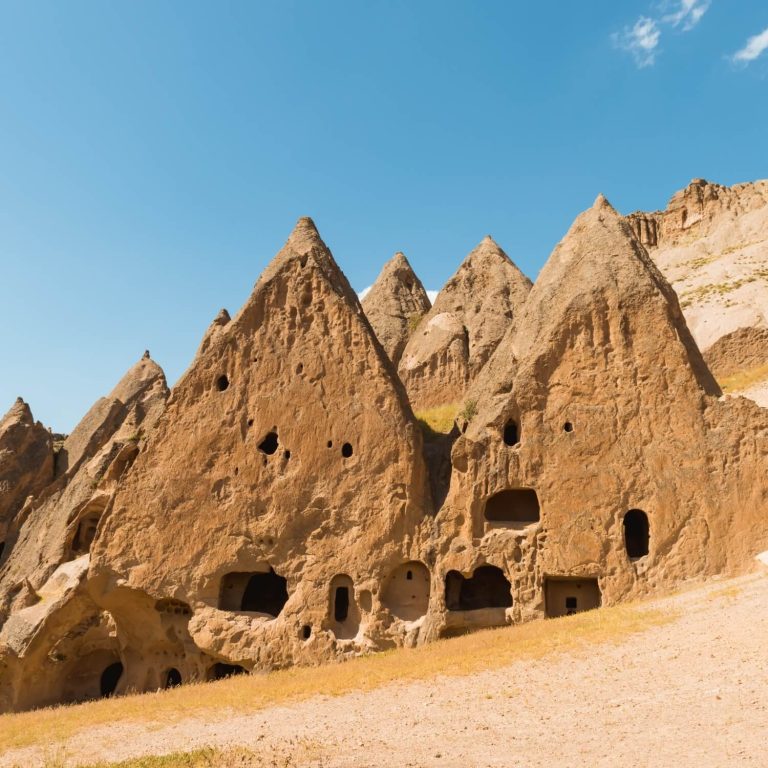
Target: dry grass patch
x=209, y=757
x=439, y=419
x=741, y=380
x=488, y=649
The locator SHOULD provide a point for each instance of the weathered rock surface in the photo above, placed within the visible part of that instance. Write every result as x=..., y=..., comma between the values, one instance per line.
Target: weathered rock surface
x=277, y=509
x=601, y=463
x=741, y=350
x=458, y=335
x=286, y=457
x=395, y=305
x=57, y=528
x=26, y=461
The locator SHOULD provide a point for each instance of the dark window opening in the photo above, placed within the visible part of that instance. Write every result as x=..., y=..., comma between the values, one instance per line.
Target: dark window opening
x=341, y=604
x=636, y=533
x=516, y=505
x=220, y=671
x=488, y=587
x=330, y=443
x=409, y=575
x=254, y=592
x=511, y=436
x=300, y=368
x=269, y=444
x=568, y=427
x=571, y=605
x=250, y=422
x=346, y=450
x=287, y=455
x=2, y=548
x=306, y=632
x=222, y=383
x=172, y=678
x=110, y=677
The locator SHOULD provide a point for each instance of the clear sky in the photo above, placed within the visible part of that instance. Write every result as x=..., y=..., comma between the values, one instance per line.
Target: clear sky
x=154, y=156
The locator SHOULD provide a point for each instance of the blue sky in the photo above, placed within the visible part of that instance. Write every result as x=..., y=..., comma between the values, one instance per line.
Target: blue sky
x=154, y=156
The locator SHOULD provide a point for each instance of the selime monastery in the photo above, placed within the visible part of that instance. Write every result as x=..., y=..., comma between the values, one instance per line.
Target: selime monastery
x=282, y=504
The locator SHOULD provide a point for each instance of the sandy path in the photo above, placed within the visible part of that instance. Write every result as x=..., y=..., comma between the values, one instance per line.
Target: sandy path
x=693, y=692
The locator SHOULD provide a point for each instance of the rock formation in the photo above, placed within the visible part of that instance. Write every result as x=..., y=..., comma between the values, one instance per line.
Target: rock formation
x=26, y=462
x=53, y=624
x=243, y=537
x=711, y=242
x=601, y=463
x=395, y=305
x=277, y=509
x=458, y=335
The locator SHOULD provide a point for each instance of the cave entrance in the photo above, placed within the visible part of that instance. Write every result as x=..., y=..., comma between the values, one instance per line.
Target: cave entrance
x=636, y=533
x=220, y=671
x=566, y=596
x=514, y=507
x=172, y=678
x=344, y=611
x=406, y=591
x=488, y=587
x=261, y=592
x=110, y=677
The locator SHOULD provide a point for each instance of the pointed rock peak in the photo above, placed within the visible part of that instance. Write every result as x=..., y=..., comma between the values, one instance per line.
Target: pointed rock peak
x=303, y=244
x=304, y=236
x=601, y=257
x=139, y=377
x=486, y=250
x=602, y=205
x=18, y=412
x=395, y=304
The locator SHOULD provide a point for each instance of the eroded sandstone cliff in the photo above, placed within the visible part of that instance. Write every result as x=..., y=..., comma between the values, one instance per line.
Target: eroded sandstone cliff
x=277, y=509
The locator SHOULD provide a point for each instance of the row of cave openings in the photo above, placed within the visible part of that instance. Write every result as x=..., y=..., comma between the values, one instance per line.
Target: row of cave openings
x=405, y=595
x=519, y=507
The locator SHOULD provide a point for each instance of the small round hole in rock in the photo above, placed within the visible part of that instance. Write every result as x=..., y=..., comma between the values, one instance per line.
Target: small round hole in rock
x=269, y=444
x=250, y=422
x=300, y=368
x=222, y=383
x=567, y=427
x=287, y=455
x=346, y=450
x=330, y=443
x=306, y=632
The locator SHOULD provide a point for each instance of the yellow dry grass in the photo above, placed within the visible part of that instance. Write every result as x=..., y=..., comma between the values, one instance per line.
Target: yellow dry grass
x=439, y=419
x=741, y=380
x=488, y=649
x=208, y=757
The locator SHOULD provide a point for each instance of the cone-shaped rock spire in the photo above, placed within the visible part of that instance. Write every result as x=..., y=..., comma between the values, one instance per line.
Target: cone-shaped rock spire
x=26, y=461
x=395, y=304
x=288, y=447
x=471, y=314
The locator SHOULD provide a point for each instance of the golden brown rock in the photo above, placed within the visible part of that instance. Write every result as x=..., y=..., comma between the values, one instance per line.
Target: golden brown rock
x=26, y=462
x=395, y=304
x=279, y=491
x=458, y=335
x=601, y=463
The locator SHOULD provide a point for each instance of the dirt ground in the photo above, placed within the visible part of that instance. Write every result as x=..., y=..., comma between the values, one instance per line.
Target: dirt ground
x=689, y=693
